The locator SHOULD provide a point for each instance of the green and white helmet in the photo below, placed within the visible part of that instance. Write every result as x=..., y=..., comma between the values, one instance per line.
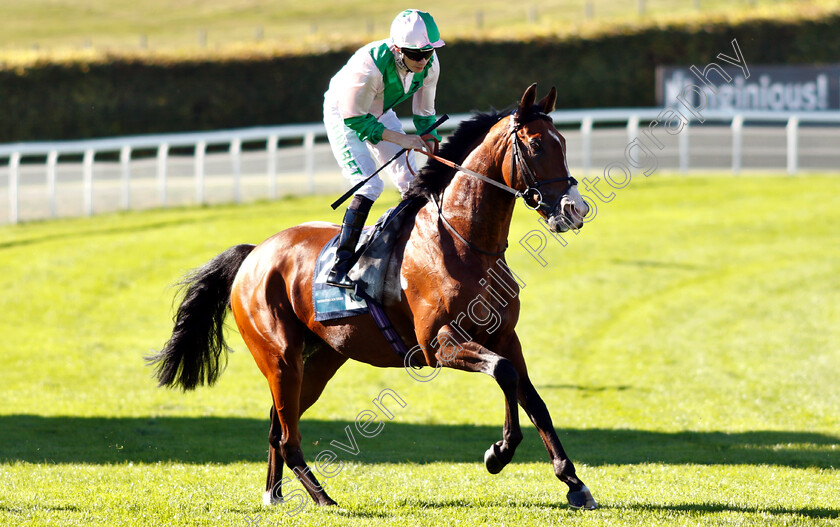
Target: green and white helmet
x=413, y=29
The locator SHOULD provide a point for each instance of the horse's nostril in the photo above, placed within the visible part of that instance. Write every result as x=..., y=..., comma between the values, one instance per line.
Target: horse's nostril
x=575, y=211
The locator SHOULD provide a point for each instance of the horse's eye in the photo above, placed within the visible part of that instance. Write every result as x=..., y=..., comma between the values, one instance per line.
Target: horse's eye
x=536, y=146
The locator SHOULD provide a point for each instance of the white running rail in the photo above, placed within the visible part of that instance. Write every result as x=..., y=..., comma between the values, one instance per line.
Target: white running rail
x=584, y=125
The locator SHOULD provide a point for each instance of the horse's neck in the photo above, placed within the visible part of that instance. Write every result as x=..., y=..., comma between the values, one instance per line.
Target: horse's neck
x=478, y=211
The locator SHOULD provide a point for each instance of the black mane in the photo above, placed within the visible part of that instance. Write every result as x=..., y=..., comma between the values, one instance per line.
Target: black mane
x=434, y=177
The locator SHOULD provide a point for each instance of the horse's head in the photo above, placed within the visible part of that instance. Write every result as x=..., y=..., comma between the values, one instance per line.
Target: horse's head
x=537, y=164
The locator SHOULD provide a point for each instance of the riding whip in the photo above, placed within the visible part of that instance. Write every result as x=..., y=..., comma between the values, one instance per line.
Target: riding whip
x=358, y=185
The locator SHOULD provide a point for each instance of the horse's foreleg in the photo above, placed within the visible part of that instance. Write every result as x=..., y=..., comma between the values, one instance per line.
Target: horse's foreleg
x=579, y=495
x=476, y=358
x=501, y=452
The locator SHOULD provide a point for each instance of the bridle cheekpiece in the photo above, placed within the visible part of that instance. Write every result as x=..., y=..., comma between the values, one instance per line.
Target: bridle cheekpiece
x=532, y=184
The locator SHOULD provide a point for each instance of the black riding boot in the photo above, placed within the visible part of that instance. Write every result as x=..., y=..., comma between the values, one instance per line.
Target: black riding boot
x=351, y=229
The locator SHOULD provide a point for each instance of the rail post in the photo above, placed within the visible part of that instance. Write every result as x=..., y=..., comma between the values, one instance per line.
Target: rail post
x=198, y=171
x=87, y=181
x=14, y=187
x=309, y=160
x=737, y=143
x=792, y=130
x=684, y=149
x=236, y=162
x=52, y=187
x=162, y=155
x=125, y=175
x=586, y=143
x=271, y=147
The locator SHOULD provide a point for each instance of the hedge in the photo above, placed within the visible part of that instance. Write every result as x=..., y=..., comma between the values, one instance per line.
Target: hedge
x=123, y=96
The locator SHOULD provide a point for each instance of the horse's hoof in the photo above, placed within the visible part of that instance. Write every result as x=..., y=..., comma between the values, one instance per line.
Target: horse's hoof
x=491, y=459
x=270, y=499
x=582, y=499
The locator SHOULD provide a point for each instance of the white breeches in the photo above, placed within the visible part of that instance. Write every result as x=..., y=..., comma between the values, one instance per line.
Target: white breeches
x=356, y=157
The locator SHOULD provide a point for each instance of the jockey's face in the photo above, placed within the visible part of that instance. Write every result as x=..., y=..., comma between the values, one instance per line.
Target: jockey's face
x=415, y=66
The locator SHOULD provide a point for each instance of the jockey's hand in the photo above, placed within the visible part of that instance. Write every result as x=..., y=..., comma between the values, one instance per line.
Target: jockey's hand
x=407, y=141
x=432, y=141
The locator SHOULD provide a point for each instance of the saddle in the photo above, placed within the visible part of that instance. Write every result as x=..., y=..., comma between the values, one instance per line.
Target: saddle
x=375, y=271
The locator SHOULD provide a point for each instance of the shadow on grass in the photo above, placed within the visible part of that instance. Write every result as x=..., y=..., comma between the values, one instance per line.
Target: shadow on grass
x=86, y=233
x=37, y=439
x=695, y=508
x=711, y=508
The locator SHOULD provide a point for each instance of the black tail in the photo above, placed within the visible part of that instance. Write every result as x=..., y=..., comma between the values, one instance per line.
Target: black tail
x=193, y=354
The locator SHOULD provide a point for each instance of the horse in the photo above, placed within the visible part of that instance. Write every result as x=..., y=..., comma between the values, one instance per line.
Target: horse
x=452, y=246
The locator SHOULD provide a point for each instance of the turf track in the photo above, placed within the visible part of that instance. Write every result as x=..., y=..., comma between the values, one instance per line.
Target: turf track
x=687, y=343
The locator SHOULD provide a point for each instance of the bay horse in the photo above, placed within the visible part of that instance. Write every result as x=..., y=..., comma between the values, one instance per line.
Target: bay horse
x=448, y=250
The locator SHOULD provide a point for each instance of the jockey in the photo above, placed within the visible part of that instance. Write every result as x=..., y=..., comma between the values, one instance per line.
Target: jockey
x=362, y=126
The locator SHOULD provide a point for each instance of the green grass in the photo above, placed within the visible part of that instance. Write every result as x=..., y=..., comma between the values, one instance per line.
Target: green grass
x=687, y=344
x=32, y=29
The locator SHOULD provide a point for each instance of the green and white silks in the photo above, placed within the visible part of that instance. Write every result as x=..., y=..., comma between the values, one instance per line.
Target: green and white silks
x=358, y=107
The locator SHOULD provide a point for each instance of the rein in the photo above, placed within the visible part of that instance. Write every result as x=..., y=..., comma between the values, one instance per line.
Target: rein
x=474, y=174
x=468, y=243
x=532, y=183
x=459, y=168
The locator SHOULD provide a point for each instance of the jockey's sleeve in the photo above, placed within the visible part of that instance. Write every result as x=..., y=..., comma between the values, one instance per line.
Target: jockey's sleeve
x=423, y=103
x=367, y=127
x=356, y=100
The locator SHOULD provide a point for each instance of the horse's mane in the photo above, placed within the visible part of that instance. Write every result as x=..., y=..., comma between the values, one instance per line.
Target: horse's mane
x=434, y=177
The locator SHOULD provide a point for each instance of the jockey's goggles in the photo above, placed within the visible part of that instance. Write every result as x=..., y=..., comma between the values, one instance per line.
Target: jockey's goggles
x=417, y=54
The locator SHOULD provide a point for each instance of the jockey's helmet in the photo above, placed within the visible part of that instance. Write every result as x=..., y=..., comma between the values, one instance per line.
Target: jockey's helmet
x=413, y=29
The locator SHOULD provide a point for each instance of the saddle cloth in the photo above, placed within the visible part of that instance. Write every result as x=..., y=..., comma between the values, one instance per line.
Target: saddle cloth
x=370, y=272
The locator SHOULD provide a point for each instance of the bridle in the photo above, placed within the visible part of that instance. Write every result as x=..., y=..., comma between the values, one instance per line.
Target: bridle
x=532, y=184
x=531, y=181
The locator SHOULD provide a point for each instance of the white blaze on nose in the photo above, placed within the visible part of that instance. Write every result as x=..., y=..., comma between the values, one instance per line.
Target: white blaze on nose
x=556, y=135
x=572, y=202
x=574, y=205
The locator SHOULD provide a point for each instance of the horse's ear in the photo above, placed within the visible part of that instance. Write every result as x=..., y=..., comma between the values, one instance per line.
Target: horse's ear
x=547, y=102
x=528, y=99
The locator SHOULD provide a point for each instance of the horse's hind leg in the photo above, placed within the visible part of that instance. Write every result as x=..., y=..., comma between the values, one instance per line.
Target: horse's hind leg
x=285, y=387
x=274, y=478
x=277, y=345
x=319, y=366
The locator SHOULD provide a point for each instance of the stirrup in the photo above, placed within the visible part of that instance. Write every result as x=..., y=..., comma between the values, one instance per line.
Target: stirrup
x=338, y=275
x=340, y=281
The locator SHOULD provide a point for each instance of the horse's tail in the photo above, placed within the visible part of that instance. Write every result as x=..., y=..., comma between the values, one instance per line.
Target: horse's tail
x=197, y=349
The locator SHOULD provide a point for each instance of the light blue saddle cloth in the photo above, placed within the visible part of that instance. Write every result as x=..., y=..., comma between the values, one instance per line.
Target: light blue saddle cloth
x=373, y=253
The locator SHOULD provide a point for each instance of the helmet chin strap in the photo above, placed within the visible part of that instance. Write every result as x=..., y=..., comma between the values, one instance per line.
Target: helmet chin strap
x=400, y=59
